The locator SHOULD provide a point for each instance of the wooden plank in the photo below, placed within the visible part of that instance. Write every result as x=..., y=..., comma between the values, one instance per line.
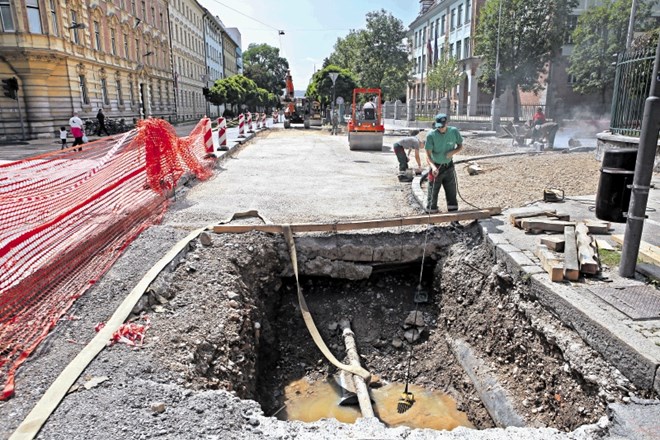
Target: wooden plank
x=551, y=263
x=586, y=252
x=365, y=224
x=554, y=242
x=519, y=213
x=518, y=221
x=648, y=253
x=598, y=227
x=604, y=245
x=571, y=264
x=547, y=225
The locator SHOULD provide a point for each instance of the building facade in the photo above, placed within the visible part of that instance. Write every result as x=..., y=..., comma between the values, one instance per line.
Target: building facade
x=82, y=55
x=445, y=28
x=215, y=70
x=188, y=55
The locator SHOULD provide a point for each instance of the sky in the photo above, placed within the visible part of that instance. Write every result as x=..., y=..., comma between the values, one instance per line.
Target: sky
x=311, y=27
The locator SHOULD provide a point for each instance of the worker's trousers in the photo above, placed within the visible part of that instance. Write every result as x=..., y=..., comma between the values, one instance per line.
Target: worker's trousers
x=401, y=157
x=446, y=178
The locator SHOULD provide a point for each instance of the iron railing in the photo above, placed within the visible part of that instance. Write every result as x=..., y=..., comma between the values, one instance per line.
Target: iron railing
x=631, y=88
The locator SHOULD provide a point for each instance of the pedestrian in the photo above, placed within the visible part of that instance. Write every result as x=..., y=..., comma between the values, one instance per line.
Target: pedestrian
x=441, y=145
x=335, y=122
x=63, y=135
x=76, y=125
x=101, y=118
x=402, y=148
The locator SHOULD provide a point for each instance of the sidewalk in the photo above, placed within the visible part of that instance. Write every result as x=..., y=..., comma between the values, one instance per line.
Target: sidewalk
x=34, y=147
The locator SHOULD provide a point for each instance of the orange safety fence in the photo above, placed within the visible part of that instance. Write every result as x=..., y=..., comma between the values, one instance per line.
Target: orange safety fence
x=68, y=215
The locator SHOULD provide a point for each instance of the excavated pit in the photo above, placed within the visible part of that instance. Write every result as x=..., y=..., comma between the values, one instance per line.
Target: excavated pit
x=233, y=322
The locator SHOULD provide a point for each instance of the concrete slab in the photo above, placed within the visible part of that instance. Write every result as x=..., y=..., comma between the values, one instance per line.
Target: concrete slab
x=639, y=420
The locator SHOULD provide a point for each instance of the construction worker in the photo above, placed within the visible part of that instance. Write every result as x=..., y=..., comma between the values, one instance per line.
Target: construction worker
x=335, y=122
x=410, y=143
x=441, y=146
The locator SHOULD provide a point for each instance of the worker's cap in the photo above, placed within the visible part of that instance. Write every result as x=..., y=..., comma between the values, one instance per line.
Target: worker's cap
x=440, y=120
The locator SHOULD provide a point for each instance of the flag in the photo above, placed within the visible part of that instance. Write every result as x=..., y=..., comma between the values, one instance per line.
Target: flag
x=435, y=54
x=429, y=52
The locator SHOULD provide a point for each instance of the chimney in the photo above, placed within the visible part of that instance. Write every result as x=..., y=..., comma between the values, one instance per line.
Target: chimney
x=425, y=5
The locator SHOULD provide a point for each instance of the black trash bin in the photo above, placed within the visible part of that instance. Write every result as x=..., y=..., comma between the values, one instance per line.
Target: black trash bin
x=616, y=175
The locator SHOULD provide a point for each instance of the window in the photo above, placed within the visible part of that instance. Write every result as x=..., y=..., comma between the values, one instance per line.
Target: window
x=6, y=18
x=131, y=90
x=153, y=15
x=571, y=24
x=53, y=17
x=82, y=84
x=113, y=44
x=34, y=18
x=466, y=47
x=160, y=21
x=451, y=50
x=144, y=11
x=459, y=16
x=120, y=98
x=126, y=54
x=137, y=50
x=104, y=92
x=97, y=35
x=442, y=24
x=122, y=4
x=133, y=10
x=74, y=20
x=452, y=25
x=468, y=11
x=458, y=50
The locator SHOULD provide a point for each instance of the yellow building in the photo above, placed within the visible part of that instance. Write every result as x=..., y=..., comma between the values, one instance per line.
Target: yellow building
x=82, y=55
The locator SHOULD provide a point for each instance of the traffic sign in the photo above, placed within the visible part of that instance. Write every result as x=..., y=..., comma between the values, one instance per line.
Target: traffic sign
x=340, y=100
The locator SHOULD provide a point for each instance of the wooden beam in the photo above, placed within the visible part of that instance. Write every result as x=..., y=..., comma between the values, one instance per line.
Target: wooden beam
x=554, y=242
x=648, y=253
x=546, y=225
x=564, y=217
x=520, y=213
x=551, y=262
x=571, y=264
x=586, y=252
x=365, y=224
x=598, y=227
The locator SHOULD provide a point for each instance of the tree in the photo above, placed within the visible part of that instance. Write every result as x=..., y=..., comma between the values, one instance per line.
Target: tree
x=320, y=88
x=445, y=74
x=530, y=35
x=265, y=66
x=235, y=90
x=599, y=36
x=377, y=54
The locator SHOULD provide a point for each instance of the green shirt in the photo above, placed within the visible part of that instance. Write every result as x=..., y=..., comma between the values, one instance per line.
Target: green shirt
x=442, y=143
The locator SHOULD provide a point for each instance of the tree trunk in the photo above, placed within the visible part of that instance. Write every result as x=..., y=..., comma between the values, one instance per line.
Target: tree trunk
x=516, y=103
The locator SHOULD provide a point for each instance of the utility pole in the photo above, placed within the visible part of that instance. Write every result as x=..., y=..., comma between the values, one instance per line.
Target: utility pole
x=648, y=141
x=631, y=24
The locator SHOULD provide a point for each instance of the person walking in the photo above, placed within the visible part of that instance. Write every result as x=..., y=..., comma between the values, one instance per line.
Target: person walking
x=409, y=144
x=101, y=118
x=335, y=122
x=441, y=145
x=63, y=135
x=76, y=125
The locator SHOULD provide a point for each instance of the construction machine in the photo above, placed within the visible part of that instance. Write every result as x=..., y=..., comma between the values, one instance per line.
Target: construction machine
x=366, y=129
x=296, y=110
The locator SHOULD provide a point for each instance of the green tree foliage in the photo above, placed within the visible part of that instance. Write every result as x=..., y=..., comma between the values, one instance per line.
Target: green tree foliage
x=445, y=74
x=601, y=34
x=530, y=34
x=320, y=88
x=238, y=90
x=264, y=65
x=377, y=55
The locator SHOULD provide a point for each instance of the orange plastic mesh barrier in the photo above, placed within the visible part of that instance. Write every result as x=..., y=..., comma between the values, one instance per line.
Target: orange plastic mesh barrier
x=68, y=215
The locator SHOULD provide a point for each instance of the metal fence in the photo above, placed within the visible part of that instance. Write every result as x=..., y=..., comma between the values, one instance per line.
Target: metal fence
x=631, y=88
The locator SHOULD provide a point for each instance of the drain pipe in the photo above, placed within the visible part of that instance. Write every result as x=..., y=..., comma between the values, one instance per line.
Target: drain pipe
x=361, y=388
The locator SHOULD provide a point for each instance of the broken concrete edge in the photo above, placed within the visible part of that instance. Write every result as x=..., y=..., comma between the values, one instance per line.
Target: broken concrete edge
x=635, y=356
x=492, y=394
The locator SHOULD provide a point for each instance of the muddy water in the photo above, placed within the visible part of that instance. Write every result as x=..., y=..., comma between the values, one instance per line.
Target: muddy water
x=309, y=402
